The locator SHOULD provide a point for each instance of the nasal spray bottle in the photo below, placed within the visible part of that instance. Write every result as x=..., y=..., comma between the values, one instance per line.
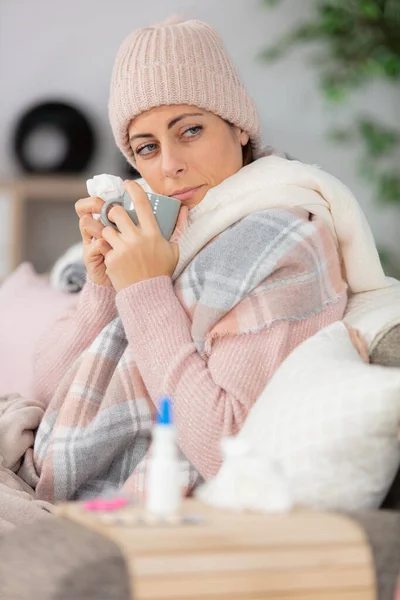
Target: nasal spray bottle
x=164, y=482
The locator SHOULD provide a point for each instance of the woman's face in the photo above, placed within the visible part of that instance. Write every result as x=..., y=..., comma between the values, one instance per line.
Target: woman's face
x=183, y=151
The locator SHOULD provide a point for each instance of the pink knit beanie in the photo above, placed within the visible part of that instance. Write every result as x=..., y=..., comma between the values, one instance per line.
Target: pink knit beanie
x=177, y=63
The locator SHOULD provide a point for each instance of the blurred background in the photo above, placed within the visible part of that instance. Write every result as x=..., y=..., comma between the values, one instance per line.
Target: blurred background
x=325, y=76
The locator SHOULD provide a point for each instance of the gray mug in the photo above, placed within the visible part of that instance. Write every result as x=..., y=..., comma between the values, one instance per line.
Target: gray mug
x=165, y=209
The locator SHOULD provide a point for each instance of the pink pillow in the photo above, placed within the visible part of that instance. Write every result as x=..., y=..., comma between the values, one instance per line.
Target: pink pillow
x=28, y=306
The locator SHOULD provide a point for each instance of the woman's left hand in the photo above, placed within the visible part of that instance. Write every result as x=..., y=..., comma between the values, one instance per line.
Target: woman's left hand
x=140, y=251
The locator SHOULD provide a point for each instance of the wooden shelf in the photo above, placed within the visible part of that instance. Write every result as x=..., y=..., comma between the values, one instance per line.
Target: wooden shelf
x=26, y=190
x=47, y=188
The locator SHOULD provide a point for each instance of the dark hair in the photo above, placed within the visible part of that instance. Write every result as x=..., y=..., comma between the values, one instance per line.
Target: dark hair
x=247, y=153
x=247, y=150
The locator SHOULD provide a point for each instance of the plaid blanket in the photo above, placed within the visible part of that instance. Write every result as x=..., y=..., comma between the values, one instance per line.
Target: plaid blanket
x=96, y=430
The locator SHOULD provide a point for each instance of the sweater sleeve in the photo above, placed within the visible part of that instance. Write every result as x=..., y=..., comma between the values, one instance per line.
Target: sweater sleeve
x=211, y=399
x=71, y=333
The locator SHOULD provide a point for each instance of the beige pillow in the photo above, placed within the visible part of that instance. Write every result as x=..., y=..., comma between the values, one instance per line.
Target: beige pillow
x=373, y=312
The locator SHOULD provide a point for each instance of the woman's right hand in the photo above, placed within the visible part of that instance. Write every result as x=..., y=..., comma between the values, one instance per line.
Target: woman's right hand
x=94, y=250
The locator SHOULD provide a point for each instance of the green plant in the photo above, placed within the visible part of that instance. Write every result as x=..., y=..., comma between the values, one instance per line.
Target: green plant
x=358, y=41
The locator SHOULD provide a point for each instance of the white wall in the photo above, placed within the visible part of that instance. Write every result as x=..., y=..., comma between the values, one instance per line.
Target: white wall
x=66, y=48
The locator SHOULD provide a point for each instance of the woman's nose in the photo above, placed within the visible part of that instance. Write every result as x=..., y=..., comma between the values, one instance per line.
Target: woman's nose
x=173, y=161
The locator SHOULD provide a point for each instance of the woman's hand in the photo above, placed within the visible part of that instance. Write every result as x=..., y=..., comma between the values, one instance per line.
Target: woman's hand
x=140, y=251
x=94, y=250
x=358, y=341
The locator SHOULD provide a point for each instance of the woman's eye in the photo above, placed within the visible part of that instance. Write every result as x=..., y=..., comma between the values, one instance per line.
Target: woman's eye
x=147, y=148
x=193, y=130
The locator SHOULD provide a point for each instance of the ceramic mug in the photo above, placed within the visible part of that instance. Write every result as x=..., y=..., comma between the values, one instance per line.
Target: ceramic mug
x=165, y=209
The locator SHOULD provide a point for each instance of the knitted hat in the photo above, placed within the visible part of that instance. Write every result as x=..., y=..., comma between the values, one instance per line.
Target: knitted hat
x=177, y=63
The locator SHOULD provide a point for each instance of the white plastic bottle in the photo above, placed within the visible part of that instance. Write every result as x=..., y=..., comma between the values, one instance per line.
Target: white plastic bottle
x=164, y=491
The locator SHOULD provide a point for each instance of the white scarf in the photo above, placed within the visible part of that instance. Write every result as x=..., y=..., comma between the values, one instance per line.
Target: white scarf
x=275, y=182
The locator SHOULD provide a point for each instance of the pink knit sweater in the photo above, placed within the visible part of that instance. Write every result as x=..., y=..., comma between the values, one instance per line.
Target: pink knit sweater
x=211, y=400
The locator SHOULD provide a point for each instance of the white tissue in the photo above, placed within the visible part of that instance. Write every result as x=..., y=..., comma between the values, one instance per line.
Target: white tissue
x=105, y=187
x=246, y=481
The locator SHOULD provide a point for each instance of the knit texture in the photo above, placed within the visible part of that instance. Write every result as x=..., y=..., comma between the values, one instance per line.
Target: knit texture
x=179, y=63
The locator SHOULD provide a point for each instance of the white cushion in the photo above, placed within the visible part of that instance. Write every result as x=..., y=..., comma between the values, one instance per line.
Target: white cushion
x=331, y=422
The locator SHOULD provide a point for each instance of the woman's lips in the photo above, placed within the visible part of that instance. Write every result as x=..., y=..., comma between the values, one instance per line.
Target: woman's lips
x=188, y=194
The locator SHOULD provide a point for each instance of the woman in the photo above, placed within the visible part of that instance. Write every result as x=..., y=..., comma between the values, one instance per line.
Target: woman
x=254, y=268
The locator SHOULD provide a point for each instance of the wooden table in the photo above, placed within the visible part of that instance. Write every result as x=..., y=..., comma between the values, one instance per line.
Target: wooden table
x=302, y=555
